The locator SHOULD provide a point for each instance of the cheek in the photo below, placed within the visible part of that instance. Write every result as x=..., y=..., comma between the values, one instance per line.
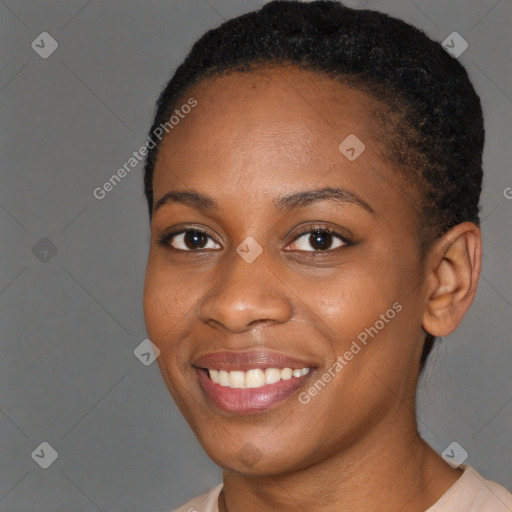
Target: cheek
x=167, y=302
x=352, y=300
x=364, y=319
x=371, y=302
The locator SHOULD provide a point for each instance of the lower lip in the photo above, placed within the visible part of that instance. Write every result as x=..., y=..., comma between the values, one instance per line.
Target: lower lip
x=249, y=400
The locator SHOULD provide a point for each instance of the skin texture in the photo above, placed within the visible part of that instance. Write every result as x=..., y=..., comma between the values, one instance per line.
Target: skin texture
x=355, y=446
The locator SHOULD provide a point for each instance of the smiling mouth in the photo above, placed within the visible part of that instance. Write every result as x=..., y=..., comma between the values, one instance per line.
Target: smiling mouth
x=254, y=378
x=251, y=391
x=250, y=381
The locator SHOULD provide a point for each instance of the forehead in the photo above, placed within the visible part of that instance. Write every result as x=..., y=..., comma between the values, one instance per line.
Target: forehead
x=305, y=92
x=290, y=114
x=278, y=130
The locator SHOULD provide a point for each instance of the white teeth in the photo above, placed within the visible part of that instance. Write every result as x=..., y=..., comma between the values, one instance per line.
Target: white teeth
x=255, y=378
x=272, y=375
x=223, y=378
x=286, y=373
x=237, y=379
x=214, y=375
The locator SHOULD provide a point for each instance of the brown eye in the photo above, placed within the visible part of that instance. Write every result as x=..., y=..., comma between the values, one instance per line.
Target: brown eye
x=319, y=239
x=188, y=240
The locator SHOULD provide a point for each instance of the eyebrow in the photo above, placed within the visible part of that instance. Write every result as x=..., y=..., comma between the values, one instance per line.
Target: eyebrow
x=288, y=202
x=308, y=197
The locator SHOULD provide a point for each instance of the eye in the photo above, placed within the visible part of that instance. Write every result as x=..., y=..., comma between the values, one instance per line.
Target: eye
x=321, y=239
x=187, y=240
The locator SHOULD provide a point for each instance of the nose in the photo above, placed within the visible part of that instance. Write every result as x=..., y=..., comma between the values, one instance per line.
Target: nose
x=246, y=294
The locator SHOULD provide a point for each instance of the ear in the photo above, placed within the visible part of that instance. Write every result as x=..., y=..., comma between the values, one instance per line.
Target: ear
x=453, y=267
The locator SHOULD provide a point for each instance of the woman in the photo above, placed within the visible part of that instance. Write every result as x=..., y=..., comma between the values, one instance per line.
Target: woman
x=313, y=189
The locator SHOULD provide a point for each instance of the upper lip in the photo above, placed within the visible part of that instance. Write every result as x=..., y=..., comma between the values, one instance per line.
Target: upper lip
x=247, y=360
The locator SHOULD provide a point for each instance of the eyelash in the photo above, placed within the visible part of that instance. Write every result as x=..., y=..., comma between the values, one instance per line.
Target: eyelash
x=166, y=239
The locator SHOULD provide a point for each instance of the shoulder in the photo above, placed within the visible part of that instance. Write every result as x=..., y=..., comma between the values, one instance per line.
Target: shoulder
x=473, y=493
x=205, y=503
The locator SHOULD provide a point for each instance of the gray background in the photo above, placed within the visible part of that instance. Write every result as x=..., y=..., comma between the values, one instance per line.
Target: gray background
x=69, y=325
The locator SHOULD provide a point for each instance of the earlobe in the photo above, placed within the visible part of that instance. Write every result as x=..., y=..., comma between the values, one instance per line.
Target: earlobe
x=454, y=266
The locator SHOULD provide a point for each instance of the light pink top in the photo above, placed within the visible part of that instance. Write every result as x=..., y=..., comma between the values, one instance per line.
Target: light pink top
x=470, y=493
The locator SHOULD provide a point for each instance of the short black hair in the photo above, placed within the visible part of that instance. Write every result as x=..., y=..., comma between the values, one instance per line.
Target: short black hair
x=432, y=122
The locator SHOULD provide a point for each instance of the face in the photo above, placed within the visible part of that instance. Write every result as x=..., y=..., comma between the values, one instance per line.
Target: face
x=298, y=254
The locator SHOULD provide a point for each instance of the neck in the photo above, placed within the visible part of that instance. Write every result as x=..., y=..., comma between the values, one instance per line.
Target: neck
x=391, y=468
